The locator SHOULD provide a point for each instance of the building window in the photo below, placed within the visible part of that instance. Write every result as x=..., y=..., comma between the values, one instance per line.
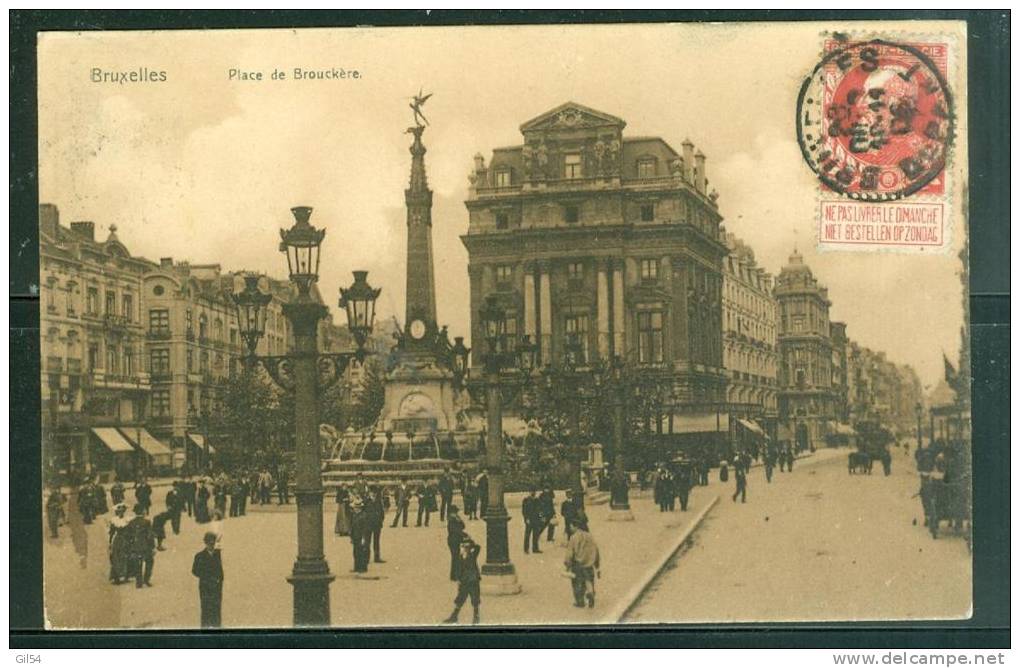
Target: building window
x=649, y=270
x=504, y=273
x=503, y=178
x=127, y=307
x=159, y=361
x=189, y=322
x=647, y=213
x=93, y=356
x=650, y=337
x=203, y=362
x=219, y=329
x=129, y=361
x=233, y=336
x=577, y=329
x=70, y=297
x=161, y=403
x=203, y=327
x=646, y=168
x=572, y=166
x=510, y=342
x=92, y=301
x=112, y=360
x=159, y=320
x=502, y=221
x=190, y=361
x=570, y=214
x=111, y=302
x=158, y=290
x=575, y=271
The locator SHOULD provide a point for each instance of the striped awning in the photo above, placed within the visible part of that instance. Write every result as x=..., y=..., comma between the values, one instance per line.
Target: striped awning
x=147, y=442
x=751, y=426
x=699, y=423
x=199, y=440
x=113, y=439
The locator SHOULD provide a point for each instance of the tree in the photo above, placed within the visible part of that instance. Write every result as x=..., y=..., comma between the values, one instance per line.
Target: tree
x=257, y=420
x=358, y=407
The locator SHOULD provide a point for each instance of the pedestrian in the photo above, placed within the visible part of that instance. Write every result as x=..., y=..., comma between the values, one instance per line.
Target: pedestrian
x=426, y=502
x=740, y=475
x=54, y=510
x=361, y=534
x=208, y=568
x=469, y=493
x=232, y=488
x=547, y=500
x=143, y=544
x=376, y=511
x=532, y=513
x=242, y=493
x=202, y=503
x=770, y=464
x=159, y=523
x=401, y=501
x=445, y=488
x=119, y=545
x=143, y=493
x=455, y=532
x=342, y=526
x=583, y=563
x=99, y=498
x=569, y=512
x=85, y=506
x=220, y=495
x=683, y=483
x=188, y=490
x=283, y=487
x=265, y=487
x=468, y=581
x=482, y=485
x=117, y=493
x=175, y=506
x=789, y=459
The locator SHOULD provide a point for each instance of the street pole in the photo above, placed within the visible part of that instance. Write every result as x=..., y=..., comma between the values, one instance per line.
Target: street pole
x=919, y=429
x=500, y=576
x=619, y=505
x=578, y=453
x=310, y=577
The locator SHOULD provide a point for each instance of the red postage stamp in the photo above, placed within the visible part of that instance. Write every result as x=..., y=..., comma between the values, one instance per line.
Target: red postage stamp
x=875, y=122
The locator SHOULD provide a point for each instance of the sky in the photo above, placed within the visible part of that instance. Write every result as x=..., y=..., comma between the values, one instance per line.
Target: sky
x=203, y=168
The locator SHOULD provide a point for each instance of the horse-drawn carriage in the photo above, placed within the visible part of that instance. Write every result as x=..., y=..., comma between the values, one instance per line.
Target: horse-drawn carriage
x=872, y=445
x=946, y=488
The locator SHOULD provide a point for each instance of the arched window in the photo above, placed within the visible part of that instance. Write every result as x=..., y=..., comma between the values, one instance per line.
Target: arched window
x=203, y=327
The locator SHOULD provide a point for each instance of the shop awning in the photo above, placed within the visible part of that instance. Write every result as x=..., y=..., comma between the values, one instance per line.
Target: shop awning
x=697, y=423
x=147, y=442
x=752, y=426
x=845, y=430
x=199, y=440
x=113, y=439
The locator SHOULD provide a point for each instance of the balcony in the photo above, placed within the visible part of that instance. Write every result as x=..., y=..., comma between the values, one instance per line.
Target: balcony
x=54, y=364
x=117, y=323
x=100, y=380
x=159, y=334
x=74, y=366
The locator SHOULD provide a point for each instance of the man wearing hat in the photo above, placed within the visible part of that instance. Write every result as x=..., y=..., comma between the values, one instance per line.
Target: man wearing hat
x=361, y=534
x=208, y=568
x=142, y=546
x=468, y=580
x=454, y=535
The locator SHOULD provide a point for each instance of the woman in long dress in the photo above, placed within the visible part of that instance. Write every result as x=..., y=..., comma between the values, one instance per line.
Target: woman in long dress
x=119, y=545
x=343, y=511
x=202, y=504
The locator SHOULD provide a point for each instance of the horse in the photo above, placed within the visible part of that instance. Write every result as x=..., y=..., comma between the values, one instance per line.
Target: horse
x=859, y=462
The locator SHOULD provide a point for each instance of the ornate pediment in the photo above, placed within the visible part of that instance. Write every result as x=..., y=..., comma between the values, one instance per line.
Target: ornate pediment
x=571, y=116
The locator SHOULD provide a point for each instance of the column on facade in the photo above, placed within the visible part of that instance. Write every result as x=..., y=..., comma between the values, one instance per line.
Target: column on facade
x=618, y=310
x=603, y=311
x=529, y=302
x=545, y=313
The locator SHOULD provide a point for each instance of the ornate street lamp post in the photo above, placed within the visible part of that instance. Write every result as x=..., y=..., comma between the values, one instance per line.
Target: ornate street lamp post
x=305, y=372
x=619, y=503
x=500, y=575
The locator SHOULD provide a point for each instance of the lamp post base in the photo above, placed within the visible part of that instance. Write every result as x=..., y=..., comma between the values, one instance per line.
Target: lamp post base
x=500, y=580
x=311, y=597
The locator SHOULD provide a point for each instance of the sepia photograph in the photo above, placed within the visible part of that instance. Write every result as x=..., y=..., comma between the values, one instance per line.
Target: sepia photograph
x=530, y=325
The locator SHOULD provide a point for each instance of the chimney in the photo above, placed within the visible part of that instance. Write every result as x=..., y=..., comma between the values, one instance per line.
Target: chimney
x=700, y=180
x=49, y=219
x=166, y=262
x=688, y=159
x=85, y=229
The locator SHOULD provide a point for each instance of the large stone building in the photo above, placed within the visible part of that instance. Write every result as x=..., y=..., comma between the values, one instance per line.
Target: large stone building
x=807, y=400
x=840, y=373
x=582, y=230
x=880, y=390
x=749, y=332
x=95, y=383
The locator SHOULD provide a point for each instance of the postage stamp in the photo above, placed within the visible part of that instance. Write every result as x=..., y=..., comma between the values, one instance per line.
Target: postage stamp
x=876, y=124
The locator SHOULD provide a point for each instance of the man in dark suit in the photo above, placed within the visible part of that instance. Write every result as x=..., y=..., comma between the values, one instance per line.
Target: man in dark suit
x=531, y=509
x=468, y=580
x=569, y=511
x=142, y=540
x=454, y=535
x=175, y=506
x=547, y=500
x=143, y=493
x=361, y=534
x=445, y=493
x=208, y=568
x=401, y=501
x=377, y=514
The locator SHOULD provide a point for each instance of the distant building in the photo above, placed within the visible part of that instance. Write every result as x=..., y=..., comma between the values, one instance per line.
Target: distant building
x=581, y=230
x=749, y=332
x=95, y=383
x=840, y=379
x=807, y=400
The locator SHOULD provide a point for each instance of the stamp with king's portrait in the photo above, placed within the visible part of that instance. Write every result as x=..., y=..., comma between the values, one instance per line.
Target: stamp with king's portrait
x=875, y=122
